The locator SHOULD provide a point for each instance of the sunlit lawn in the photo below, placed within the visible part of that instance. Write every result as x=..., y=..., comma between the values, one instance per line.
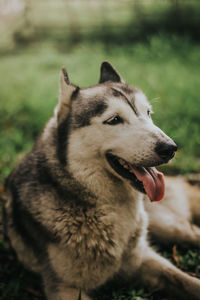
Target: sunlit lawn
x=166, y=70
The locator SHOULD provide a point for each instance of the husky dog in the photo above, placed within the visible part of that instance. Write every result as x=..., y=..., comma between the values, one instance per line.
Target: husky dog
x=74, y=210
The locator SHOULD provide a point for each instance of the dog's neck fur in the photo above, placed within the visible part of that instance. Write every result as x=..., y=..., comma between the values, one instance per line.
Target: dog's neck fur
x=98, y=191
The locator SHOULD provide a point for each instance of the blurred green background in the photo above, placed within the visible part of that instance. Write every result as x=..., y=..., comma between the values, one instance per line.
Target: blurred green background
x=155, y=45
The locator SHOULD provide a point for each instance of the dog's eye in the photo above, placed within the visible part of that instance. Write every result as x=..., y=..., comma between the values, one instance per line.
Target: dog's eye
x=114, y=120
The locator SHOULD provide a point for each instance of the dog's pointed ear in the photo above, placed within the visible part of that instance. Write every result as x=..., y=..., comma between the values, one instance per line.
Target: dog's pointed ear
x=66, y=90
x=108, y=73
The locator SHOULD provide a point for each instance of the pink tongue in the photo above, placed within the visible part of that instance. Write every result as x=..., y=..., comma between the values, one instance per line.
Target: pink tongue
x=153, y=182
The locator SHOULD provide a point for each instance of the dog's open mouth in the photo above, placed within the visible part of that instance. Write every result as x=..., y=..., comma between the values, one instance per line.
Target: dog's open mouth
x=146, y=180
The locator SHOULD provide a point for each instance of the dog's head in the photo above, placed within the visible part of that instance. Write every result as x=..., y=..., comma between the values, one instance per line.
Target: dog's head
x=110, y=124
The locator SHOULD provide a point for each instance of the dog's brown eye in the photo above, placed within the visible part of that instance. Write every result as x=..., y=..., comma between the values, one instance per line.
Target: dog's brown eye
x=114, y=120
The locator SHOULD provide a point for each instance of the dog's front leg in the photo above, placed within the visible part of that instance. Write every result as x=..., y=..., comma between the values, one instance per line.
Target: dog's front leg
x=65, y=293
x=157, y=273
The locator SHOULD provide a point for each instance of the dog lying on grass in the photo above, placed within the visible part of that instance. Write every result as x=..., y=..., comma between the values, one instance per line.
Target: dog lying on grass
x=75, y=211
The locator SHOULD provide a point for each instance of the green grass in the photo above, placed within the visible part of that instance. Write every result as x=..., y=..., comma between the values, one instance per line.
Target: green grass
x=166, y=69
x=15, y=282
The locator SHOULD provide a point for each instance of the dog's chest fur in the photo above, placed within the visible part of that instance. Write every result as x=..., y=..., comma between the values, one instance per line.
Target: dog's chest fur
x=92, y=247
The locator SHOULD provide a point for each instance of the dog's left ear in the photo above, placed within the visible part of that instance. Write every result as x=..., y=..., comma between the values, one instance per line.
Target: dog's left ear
x=66, y=91
x=108, y=73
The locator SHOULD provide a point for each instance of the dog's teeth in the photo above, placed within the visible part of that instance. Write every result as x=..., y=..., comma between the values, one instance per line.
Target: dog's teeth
x=124, y=164
x=130, y=169
x=121, y=161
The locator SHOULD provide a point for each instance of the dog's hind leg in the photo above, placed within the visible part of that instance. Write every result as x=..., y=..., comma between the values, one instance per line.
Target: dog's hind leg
x=170, y=221
x=158, y=274
x=166, y=227
x=194, y=200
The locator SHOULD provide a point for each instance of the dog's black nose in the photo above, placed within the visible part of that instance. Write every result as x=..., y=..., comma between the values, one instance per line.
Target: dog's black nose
x=166, y=151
